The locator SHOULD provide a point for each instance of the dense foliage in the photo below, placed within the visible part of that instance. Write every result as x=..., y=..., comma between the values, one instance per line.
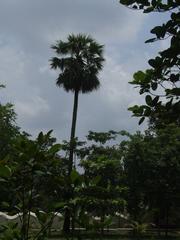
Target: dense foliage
x=160, y=83
x=138, y=178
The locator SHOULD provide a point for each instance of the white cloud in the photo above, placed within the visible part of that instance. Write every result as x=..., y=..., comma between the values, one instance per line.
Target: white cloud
x=33, y=108
x=116, y=91
x=12, y=64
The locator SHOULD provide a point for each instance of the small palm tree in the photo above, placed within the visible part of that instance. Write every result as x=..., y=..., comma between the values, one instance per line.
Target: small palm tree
x=80, y=60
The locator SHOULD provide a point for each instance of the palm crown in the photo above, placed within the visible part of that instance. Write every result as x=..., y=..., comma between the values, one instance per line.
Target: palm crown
x=80, y=62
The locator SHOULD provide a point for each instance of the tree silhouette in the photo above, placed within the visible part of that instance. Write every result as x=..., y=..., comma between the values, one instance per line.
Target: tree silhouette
x=79, y=60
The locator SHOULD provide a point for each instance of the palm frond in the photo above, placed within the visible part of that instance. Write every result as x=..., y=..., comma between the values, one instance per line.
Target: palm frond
x=81, y=59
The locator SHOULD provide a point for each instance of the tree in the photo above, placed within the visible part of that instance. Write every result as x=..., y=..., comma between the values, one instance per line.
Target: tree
x=33, y=162
x=152, y=170
x=160, y=83
x=134, y=167
x=80, y=61
x=103, y=163
x=159, y=152
x=8, y=129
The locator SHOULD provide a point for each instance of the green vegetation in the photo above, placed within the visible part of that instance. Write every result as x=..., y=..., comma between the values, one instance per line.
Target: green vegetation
x=160, y=83
x=135, y=179
x=138, y=178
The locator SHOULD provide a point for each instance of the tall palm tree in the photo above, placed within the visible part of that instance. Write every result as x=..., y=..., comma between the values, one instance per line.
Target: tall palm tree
x=79, y=60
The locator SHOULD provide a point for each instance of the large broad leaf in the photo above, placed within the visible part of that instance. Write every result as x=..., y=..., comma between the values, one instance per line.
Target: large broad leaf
x=5, y=171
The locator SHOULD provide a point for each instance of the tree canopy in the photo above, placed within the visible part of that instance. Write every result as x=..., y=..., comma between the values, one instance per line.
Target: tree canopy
x=160, y=83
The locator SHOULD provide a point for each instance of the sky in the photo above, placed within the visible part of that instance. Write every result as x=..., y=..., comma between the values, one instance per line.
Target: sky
x=29, y=28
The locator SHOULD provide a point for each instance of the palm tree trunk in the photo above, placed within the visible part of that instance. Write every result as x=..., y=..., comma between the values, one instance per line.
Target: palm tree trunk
x=66, y=226
x=73, y=129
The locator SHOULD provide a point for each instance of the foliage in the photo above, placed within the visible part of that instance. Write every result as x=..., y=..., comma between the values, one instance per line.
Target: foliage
x=83, y=61
x=8, y=129
x=103, y=176
x=160, y=83
x=134, y=167
x=21, y=174
x=139, y=228
x=10, y=231
x=152, y=170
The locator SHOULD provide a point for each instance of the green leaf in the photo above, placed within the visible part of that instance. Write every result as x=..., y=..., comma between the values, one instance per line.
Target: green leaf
x=40, y=138
x=174, y=77
x=126, y=2
x=59, y=205
x=2, y=180
x=74, y=175
x=5, y=204
x=141, y=120
x=5, y=172
x=49, y=133
x=139, y=77
x=148, y=10
x=108, y=221
x=175, y=91
x=152, y=63
x=137, y=110
x=154, y=86
x=39, y=173
x=2, y=86
x=159, y=31
x=150, y=40
x=148, y=100
x=155, y=100
x=55, y=148
x=147, y=112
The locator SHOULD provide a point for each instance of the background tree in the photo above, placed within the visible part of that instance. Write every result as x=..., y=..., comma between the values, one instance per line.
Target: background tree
x=102, y=162
x=9, y=131
x=151, y=169
x=134, y=173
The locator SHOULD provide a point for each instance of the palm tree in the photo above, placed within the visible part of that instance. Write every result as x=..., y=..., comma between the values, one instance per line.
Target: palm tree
x=80, y=60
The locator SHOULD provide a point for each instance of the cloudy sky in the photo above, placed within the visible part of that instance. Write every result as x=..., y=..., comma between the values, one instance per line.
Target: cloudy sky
x=29, y=28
